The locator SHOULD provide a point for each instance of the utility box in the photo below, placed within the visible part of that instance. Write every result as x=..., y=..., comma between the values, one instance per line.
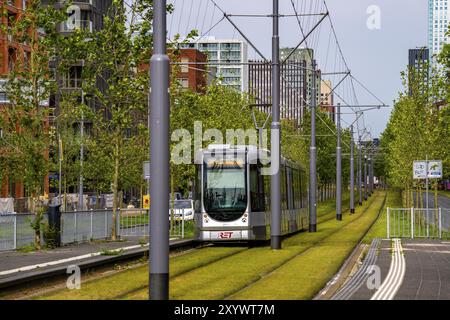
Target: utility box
x=54, y=222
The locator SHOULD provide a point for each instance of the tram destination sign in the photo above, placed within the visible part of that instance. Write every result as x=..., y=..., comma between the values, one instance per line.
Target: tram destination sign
x=434, y=169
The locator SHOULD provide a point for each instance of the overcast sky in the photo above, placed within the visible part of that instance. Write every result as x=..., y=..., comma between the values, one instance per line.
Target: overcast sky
x=376, y=57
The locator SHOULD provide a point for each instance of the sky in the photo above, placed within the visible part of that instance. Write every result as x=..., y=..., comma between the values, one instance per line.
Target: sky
x=376, y=56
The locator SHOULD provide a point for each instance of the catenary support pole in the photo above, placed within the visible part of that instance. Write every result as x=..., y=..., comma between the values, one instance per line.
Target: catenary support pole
x=352, y=172
x=426, y=196
x=60, y=149
x=159, y=157
x=372, y=187
x=338, y=165
x=275, y=229
x=365, y=175
x=360, y=197
x=313, y=155
x=80, y=186
x=369, y=179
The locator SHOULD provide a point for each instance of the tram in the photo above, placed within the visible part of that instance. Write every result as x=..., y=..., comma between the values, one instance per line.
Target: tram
x=232, y=194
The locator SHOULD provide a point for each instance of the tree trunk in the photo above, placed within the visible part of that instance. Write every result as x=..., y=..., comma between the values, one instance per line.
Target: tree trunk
x=115, y=187
x=172, y=195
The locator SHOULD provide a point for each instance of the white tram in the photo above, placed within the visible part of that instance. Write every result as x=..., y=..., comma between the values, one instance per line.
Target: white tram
x=232, y=194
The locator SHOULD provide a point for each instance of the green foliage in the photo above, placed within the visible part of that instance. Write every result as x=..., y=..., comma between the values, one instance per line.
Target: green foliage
x=24, y=155
x=418, y=126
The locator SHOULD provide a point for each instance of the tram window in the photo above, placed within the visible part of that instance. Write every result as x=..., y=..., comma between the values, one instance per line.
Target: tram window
x=225, y=193
x=256, y=188
x=294, y=188
x=198, y=189
x=283, y=188
x=267, y=181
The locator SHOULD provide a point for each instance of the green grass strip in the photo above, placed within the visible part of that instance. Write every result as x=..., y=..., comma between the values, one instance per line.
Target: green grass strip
x=379, y=229
x=227, y=276
x=302, y=277
x=115, y=285
x=134, y=283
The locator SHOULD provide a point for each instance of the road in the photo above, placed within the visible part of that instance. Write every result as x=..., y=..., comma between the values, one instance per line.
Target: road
x=443, y=201
x=420, y=271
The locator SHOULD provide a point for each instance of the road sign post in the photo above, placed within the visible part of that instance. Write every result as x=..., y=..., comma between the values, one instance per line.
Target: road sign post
x=428, y=169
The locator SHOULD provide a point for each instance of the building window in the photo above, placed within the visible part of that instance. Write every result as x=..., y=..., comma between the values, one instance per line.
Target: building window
x=184, y=65
x=72, y=79
x=3, y=96
x=184, y=83
x=12, y=57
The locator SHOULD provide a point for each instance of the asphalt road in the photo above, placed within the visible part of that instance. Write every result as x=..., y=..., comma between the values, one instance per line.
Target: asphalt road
x=427, y=271
x=443, y=201
x=427, y=274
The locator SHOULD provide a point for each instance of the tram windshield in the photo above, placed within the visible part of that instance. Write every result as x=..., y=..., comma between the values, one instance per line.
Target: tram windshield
x=225, y=194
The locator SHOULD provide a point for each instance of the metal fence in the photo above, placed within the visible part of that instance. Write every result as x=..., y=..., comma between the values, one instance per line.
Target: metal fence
x=83, y=226
x=418, y=223
x=135, y=223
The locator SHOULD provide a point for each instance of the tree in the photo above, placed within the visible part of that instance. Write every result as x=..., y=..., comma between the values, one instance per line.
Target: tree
x=116, y=85
x=25, y=120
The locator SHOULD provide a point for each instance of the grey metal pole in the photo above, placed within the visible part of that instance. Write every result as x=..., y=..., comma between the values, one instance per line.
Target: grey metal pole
x=426, y=197
x=159, y=157
x=80, y=187
x=338, y=165
x=275, y=194
x=365, y=175
x=371, y=175
x=313, y=156
x=360, y=172
x=352, y=172
x=60, y=168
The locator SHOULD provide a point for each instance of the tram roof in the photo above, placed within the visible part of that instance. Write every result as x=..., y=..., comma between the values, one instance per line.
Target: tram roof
x=253, y=153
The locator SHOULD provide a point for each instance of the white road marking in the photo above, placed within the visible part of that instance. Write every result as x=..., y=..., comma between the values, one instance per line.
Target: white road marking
x=395, y=276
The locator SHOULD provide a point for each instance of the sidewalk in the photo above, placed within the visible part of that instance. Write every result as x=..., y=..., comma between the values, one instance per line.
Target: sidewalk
x=18, y=267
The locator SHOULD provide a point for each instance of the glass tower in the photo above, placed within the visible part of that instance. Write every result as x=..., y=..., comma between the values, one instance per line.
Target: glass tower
x=438, y=23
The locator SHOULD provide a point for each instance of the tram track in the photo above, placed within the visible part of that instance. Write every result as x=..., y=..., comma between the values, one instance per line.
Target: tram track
x=303, y=252
x=187, y=252
x=325, y=217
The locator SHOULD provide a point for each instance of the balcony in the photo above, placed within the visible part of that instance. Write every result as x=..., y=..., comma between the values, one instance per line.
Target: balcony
x=71, y=26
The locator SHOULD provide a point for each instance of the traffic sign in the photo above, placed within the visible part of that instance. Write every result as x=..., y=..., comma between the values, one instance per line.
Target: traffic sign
x=434, y=169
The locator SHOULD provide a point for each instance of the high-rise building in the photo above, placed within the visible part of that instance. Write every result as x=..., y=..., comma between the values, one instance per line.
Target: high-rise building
x=307, y=55
x=292, y=88
x=193, y=77
x=438, y=22
x=327, y=99
x=418, y=69
x=228, y=58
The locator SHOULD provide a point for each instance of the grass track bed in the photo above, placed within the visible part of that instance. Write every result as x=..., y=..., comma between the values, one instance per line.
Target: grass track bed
x=213, y=272
x=300, y=279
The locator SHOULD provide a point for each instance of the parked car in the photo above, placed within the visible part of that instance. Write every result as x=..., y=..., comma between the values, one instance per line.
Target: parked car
x=180, y=207
x=177, y=196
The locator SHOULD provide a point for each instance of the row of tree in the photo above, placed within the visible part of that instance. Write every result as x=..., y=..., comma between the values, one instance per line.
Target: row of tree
x=418, y=127
x=111, y=96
